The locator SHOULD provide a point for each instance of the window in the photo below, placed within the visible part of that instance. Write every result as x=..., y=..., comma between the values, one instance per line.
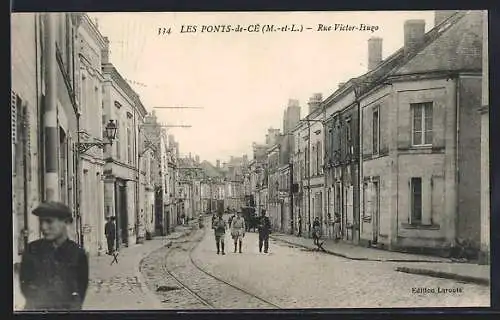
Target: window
x=116, y=142
x=68, y=43
x=129, y=146
x=337, y=198
x=97, y=128
x=83, y=100
x=348, y=135
x=416, y=200
x=319, y=157
x=366, y=200
x=313, y=161
x=421, y=123
x=63, y=170
x=376, y=130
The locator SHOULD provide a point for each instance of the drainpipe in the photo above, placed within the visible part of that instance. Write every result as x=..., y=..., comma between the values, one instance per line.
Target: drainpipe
x=78, y=224
x=357, y=223
x=25, y=178
x=50, y=113
x=37, y=90
x=456, y=166
x=309, y=177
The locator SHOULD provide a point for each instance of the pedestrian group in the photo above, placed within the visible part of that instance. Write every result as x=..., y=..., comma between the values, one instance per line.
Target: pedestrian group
x=237, y=226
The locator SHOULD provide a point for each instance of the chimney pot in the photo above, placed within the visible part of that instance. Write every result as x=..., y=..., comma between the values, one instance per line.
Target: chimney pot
x=105, y=51
x=315, y=101
x=293, y=103
x=374, y=52
x=414, y=31
x=441, y=15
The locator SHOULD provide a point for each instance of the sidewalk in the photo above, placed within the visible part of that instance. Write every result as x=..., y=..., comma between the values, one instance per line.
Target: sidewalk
x=410, y=263
x=120, y=286
x=354, y=252
x=465, y=272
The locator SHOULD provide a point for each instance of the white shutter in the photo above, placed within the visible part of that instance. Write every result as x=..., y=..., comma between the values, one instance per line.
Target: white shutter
x=370, y=199
x=13, y=116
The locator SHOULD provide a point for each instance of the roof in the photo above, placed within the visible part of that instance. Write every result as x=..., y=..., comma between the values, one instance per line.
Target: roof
x=437, y=52
x=458, y=47
x=210, y=170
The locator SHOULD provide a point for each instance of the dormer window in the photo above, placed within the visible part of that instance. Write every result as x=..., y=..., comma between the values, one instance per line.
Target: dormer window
x=118, y=104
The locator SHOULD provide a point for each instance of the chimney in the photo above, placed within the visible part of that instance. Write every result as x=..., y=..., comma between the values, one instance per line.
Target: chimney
x=414, y=31
x=217, y=164
x=285, y=120
x=105, y=51
x=197, y=159
x=374, y=52
x=314, y=102
x=341, y=84
x=293, y=103
x=441, y=15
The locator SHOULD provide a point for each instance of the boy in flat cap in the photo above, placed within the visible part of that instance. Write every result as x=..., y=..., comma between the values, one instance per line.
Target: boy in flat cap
x=54, y=271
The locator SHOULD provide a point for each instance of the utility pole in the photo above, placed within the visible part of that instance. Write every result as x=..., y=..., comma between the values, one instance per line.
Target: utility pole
x=50, y=112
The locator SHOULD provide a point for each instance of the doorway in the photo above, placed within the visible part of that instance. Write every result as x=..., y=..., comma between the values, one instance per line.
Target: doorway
x=122, y=214
x=376, y=211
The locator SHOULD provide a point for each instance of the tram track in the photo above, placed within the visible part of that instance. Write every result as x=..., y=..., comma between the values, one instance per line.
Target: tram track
x=201, y=288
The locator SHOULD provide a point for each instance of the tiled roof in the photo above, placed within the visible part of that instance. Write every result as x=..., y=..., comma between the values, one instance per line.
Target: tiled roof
x=459, y=47
x=439, y=50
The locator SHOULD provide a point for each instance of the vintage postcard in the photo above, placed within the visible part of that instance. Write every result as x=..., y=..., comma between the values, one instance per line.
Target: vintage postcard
x=250, y=160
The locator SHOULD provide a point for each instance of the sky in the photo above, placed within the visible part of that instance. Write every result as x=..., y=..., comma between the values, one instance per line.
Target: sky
x=242, y=81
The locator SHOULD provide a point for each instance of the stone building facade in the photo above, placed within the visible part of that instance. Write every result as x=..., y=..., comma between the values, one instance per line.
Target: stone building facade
x=90, y=78
x=422, y=113
x=485, y=151
x=121, y=195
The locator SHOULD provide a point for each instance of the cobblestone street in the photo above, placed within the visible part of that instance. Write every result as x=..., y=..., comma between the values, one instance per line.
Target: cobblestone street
x=120, y=286
x=293, y=277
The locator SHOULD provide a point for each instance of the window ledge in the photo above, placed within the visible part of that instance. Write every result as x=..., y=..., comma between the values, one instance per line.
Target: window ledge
x=421, y=146
x=421, y=226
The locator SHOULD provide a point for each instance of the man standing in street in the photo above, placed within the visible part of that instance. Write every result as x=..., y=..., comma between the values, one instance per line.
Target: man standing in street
x=264, y=231
x=54, y=271
x=110, y=232
x=219, y=226
x=238, y=230
x=300, y=226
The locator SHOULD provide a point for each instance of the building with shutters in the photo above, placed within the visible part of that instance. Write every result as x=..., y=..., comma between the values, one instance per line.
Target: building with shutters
x=122, y=170
x=421, y=138
x=90, y=44
x=43, y=119
x=299, y=161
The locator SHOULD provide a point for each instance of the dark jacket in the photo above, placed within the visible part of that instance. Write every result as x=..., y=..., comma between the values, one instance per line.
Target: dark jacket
x=264, y=225
x=54, y=278
x=316, y=223
x=110, y=230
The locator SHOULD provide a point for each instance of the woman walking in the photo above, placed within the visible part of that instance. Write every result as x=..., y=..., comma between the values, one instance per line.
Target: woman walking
x=238, y=230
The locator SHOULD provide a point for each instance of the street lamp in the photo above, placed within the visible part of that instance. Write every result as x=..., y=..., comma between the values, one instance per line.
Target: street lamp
x=83, y=147
x=110, y=135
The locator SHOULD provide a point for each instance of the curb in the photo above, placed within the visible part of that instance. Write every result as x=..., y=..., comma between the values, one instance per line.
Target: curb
x=151, y=295
x=356, y=258
x=444, y=275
